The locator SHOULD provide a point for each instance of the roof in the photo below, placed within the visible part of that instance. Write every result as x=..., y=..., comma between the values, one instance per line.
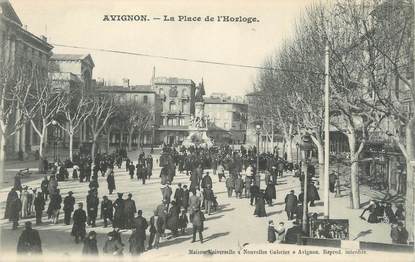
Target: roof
x=218, y=100
x=72, y=57
x=65, y=76
x=122, y=89
x=8, y=11
x=256, y=93
x=172, y=81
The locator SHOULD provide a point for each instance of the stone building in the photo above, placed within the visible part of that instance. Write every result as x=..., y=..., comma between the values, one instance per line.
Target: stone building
x=228, y=119
x=178, y=106
x=144, y=95
x=73, y=72
x=19, y=48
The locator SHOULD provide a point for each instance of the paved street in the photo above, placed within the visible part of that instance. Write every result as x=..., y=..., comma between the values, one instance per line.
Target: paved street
x=231, y=226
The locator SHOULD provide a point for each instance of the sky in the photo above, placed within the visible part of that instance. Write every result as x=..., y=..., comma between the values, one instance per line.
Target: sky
x=81, y=23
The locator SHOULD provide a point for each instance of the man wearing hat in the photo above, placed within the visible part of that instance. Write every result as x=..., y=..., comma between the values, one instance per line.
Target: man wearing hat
x=178, y=195
x=79, y=220
x=129, y=210
x=92, y=203
x=197, y=221
x=68, y=207
x=119, y=219
x=29, y=241
x=106, y=210
x=291, y=204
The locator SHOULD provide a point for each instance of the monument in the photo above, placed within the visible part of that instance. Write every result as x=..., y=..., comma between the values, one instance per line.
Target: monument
x=198, y=123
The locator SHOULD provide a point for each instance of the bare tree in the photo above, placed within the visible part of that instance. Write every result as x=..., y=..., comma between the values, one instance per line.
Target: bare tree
x=11, y=79
x=103, y=108
x=75, y=110
x=39, y=103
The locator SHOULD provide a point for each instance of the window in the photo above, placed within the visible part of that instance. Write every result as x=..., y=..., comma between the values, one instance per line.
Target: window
x=172, y=106
x=145, y=100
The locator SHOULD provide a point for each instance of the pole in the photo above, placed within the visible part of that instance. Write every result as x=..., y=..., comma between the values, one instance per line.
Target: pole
x=326, y=136
x=54, y=143
x=296, y=145
x=257, y=160
x=305, y=205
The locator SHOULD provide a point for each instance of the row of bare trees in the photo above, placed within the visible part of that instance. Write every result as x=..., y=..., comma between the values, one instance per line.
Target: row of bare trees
x=29, y=95
x=371, y=57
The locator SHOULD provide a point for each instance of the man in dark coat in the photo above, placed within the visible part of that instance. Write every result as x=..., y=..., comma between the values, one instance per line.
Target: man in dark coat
x=312, y=194
x=119, y=218
x=270, y=193
x=68, y=206
x=29, y=242
x=129, y=210
x=39, y=204
x=14, y=212
x=92, y=203
x=208, y=198
x=178, y=195
x=106, y=210
x=78, y=227
x=18, y=182
x=44, y=187
x=185, y=199
x=239, y=186
x=332, y=182
x=198, y=224
x=194, y=181
x=290, y=204
x=55, y=206
x=260, y=206
x=131, y=169
x=206, y=180
x=10, y=196
x=90, y=244
x=172, y=222
x=111, y=181
x=138, y=237
x=254, y=192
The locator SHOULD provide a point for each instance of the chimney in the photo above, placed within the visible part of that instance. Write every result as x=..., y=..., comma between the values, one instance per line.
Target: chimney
x=44, y=38
x=25, y=27
x=126, y=83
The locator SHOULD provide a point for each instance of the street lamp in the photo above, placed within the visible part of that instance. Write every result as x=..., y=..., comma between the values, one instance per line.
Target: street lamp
x=153, y=126
x=54, y=123
x=306, y=148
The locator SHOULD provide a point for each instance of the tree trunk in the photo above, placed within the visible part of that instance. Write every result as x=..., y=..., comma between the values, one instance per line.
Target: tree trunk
x=139, y=141
x=94, y=143
x=289, y=149
x=354, y=171
x=41, y=142
x=410, y=169
x=130, y=140
x=70, y=146
x=108, y=140
x=2, y=149
x=320, y=153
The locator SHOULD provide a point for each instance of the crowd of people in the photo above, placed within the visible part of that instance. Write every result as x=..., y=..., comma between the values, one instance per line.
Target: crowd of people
x=188, y=204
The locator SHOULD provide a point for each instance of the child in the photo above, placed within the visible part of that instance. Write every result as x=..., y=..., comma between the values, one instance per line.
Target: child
x=183, y=221
x=271, y=232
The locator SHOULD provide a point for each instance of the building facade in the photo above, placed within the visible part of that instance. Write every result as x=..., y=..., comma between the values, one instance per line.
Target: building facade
x=178, y=106
x=227, y=119
x=21, y=49
x=144, y=95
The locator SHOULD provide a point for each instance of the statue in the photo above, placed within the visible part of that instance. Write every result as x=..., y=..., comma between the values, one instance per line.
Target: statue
x=199, y=94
